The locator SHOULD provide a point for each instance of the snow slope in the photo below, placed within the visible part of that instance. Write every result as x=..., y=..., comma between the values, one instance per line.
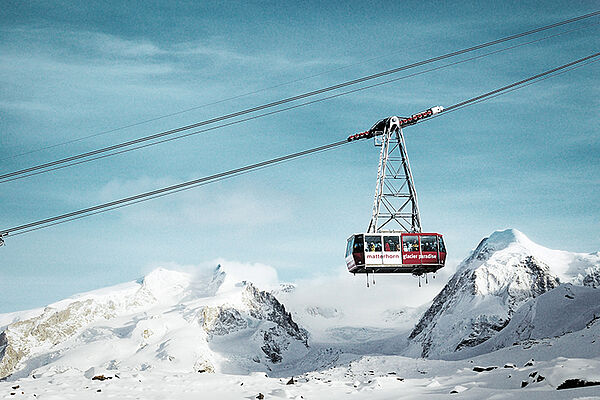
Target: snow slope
x=563, y=310
x=503, y=272
x=369, y=377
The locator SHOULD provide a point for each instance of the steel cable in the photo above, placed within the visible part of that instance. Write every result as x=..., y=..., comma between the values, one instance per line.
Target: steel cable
x=290, y=99
x=238, y=171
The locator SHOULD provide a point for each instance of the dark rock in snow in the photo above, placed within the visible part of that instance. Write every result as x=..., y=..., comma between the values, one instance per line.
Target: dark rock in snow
x=263, y=305
x=593, y=278
x=482, y=369
x=222, y=320
x=576, y=383
x=101, y=378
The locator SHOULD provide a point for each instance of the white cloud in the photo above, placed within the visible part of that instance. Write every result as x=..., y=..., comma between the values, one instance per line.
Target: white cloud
x=357, y=304
x=262, y=276
x=206, y=206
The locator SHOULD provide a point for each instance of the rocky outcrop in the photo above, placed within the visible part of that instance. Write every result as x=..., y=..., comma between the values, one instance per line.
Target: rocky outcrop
x=264, y=306
x=222, y=320
x=24, y=338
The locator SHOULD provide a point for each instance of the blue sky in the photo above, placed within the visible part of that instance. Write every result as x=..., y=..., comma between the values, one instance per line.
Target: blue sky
x=527, y=160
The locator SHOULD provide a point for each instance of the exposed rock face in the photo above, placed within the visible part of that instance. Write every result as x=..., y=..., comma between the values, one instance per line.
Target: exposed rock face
x=323, y=312
x=264, y=306
x=592, y=279
x=222, y=320
x=562, y=310
x=479, y=300
x=276, y=330
x=275, y=344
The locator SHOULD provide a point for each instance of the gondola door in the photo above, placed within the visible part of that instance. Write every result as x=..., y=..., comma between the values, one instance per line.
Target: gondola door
x=411, y=249
x=392, y=250
x=429, y=249
x=373, y=251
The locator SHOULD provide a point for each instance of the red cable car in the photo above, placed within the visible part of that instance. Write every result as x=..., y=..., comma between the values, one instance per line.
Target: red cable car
x=389, y=252
x=394, y=242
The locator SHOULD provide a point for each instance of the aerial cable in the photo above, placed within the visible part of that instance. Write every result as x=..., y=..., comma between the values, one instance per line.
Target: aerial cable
x=438, y=111
x=387, y=55
x=175, y=187
x=206, y=105
x=206, y=182
x=294, y=98
x=502, y=89
x=513, y=88
x=134, y=124
x=249, y=168
x=168, y=139
x=28, y=172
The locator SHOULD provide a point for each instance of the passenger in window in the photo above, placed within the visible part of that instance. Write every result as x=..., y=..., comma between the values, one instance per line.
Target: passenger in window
x=387, y=246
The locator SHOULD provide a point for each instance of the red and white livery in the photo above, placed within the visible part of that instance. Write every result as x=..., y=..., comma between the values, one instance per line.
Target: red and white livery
x=390, y=252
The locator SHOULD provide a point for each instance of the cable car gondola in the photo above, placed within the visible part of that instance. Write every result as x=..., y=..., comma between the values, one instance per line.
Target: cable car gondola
x=390, y=252
x=394, y=241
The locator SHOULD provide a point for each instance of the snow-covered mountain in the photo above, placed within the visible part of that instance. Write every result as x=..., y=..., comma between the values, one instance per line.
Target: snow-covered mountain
x=502, y=273
x=170, y=320
x=510, y=301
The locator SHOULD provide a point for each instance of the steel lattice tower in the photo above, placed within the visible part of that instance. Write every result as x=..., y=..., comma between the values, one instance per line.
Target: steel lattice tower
x=395, y=207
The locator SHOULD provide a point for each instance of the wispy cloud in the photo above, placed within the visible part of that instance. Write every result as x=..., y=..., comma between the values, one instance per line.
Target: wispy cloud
x=73, y=69
x=237, y=206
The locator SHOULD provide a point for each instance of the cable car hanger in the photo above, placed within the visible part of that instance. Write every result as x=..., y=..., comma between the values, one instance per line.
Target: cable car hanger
x=394, y=241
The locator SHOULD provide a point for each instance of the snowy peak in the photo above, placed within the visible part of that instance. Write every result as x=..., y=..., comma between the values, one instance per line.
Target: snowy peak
x=500, y=240
x=508, y=241
x=503, y=247
x=163, y=283
x=503, y=272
